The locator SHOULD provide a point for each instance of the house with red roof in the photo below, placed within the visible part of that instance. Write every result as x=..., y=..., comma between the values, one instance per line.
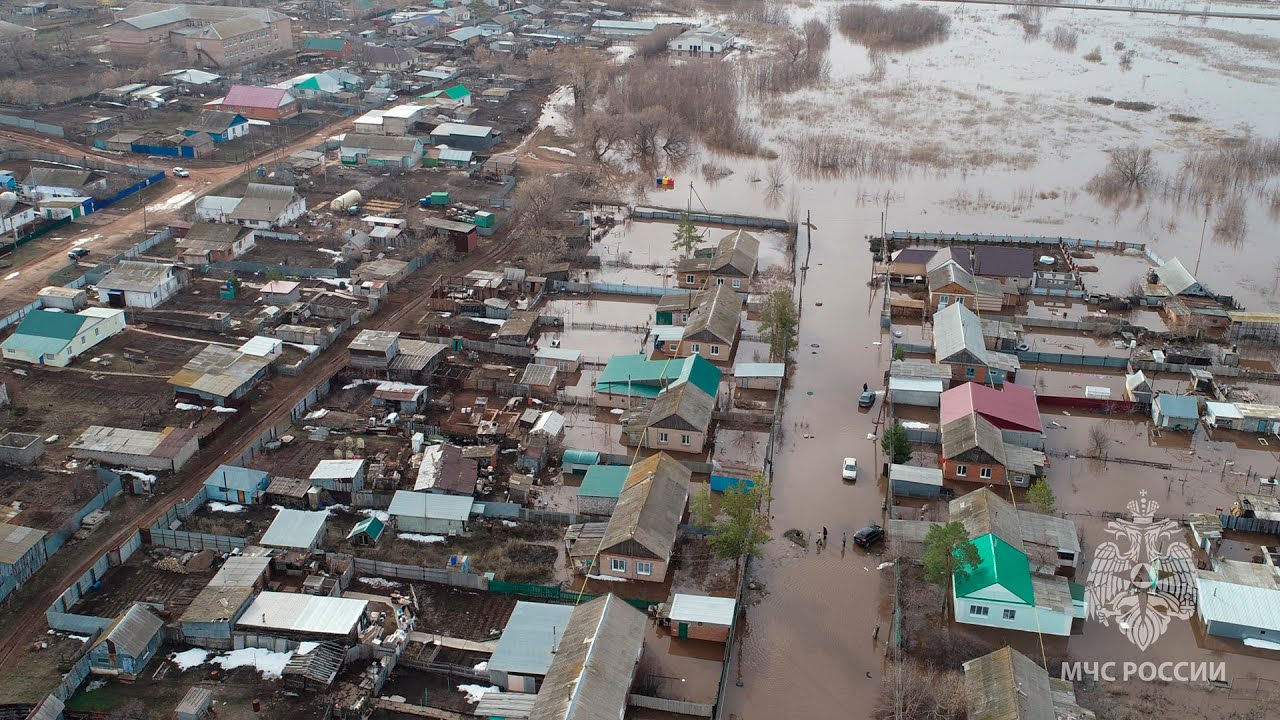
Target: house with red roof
x=1013, y=410
x=259, y=103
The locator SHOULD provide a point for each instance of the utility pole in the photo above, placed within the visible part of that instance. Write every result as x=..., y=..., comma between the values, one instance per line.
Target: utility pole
x=1203, y=229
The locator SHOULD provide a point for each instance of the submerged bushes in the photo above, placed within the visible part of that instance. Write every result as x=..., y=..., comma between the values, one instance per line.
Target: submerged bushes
x=893, y=28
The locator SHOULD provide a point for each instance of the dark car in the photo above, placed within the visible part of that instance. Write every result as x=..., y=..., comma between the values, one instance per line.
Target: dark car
x=868, y=536
x=77, y=253
x=867, y=399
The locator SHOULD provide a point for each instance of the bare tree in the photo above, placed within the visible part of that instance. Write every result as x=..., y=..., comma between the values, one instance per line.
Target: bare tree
x=582, y=70
x=602, y=133
x=912, y=690
x=1133, y=165
x=1099, y=440
x=817, y=35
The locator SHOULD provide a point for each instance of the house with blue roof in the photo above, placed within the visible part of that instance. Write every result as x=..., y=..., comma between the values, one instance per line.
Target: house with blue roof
x=1175, y=412
x=56, y=338
x=636, y=381
x=232, y=484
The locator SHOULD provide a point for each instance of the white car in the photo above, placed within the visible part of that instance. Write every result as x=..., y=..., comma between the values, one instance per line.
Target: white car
x=181, y=172
x=849, y=471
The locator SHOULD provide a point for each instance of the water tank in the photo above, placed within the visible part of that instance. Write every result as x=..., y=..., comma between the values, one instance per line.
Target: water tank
x=7, y=201
x=345, y=200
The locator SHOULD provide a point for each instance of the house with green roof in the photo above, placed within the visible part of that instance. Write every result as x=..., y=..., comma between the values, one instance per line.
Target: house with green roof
x=56, y=338
x=367, y=531
x=326, y=46
x=1013, y=587
x=636, y=381
x=600, y=488
x=457, y=93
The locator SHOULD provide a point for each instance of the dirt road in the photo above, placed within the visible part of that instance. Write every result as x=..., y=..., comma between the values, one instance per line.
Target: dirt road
x=44, y=588
x=104, y=241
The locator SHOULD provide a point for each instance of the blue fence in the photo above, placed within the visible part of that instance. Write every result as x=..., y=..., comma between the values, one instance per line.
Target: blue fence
x=148, y=181
x=161, y=150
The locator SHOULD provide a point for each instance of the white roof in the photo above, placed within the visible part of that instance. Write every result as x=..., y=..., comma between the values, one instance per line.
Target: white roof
x=916, y=474
x=558, y=354
x=373, y=117
x=910, y=384
x=668, y=333
x=703, y=609
x=336, y=469
x=100, y=312
x=295, y=529
x=403, y=111
x=1097, y=392
x=1245, y=605
x=261, y=346
x=549, y=423
x=1224, y=410
x=435, y=506
x=294, y=612
x=462, y=129
x=752, y=369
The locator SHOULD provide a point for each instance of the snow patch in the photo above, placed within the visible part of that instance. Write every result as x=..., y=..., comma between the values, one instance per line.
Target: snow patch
x=606, y=578
x=306, y=647
x=187, y=406
x=510, y=523
x=86, y=239
x=913, y=425
x=382, y=515
x=553, y=115
x=215, y=506
x=188, y=659
x=558, y=151
x=481, y=666
x=220, y=409
x=270, y=664
x=475, y=692
x=414, y=537
x=12, y=275
x=884, y=565
x=380, y=582
x=173, y=202
x=145, y=477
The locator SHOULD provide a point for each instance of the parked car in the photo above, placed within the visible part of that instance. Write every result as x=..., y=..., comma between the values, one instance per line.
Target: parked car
x=181, y=172
x=867, y=399
x=77, y=253
x=868, y=536
x=849, y=470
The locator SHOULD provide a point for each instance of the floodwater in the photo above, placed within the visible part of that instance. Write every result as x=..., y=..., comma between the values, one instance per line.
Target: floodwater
x=640, y=252
x=1018, y=143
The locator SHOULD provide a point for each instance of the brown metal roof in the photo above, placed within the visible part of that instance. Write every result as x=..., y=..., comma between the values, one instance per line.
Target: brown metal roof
x=650, y=506
x=590, y=677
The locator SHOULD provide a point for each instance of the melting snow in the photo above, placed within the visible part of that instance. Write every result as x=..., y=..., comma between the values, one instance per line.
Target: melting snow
x=145, y=477
x=481, y=666
x=413, y=537
x=475, y=692
x=552, y=113
x=607, y=578
x=12, y=275
x=270, y=664
x=306, y=647
x=188, y=406
x=379, y=582
x=190, y=658
x=558, y=151
x=215, y=506
x=912, y=425
x=220, y=409
x=382, y=515
x=172, y=203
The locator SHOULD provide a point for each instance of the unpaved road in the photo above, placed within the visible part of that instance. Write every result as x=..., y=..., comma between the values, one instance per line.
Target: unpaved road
x=118, y=235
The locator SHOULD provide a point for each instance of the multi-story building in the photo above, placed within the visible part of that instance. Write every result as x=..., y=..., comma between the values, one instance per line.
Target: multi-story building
x=212, y=35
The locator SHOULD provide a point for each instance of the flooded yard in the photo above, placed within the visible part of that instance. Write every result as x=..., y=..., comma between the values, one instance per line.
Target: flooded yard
x=639, y=252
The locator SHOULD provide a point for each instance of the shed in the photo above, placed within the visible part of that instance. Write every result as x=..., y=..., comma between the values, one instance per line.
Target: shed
x=595, y=663
x=367, y=531
x=539, y=377
x=237, y=485
x=302, y=616
x=701, y=617
x=295, y=530
x=528, y=645
x=22, y=552
x=549, y=425
x=195, y=705
x=1240, y=601
x=20, y=448
x=342, y=476
x=445, y=469
x=563, y=359
x=759, y=376
x=209, y=619
x=577, y=461
x=1223, y=415
x=1256, y=417
x=166, y=450
x=914, y=481
x=435, y=513
x=129, y=642
x=281, y=292
x=600, y=489
x=924, y=392
x=1175, y=412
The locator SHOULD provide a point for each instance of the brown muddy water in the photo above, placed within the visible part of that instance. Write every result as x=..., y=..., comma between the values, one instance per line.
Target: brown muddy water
x=1009, y=142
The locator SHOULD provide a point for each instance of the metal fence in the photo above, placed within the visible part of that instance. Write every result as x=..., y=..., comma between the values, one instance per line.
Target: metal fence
x=245, y=266
x=194, y=541
x=764, y=223
x=1068, y=359
x=364, y=566
x=928, y=437
x=25, y=124
x=984, y=239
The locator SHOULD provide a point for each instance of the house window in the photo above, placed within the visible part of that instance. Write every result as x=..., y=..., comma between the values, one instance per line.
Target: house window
x=617, y=565
x=970, y=372
x=1020, y=479
x=959, y=300
x=985, y=473
x=715, y=349
x=719, y=281
x=1066, y=555
x=944, y=299
x=697, y=347
x=1010, y=614
x=644, y=568
x=979, y=610
x=688, y=278
x=962, y=470
x=737, y=283
x=662, y=438
x=685, y=440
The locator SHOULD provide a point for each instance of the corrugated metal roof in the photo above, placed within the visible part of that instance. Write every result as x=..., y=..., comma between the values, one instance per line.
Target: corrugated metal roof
x=151, y=20
x=506, y=705
x=591, y=675
x=295, y=529
x=604, y=481
x=703, y=609
x=955, y=329
x=1012, y=408
x=16, y=541
x=550, y=423
x=336, y=469
x=916, y=474
x=1178, y=406
x=133, y=630
x=541, y=375
x=564, y=354
x=241, y=571
x=650, y=506
x=972, y=431
x=303, y=613
x=462, y=130
x=136, y=276
x=919, y=369
x=982, y=512
x=256, y=97
x=1246, y=596
x=1175, y=277
x=908, y=384
x=433, y=506
x=237, y=478
x=261, y=346
x=528, y=642
x=999, y=564
x=195, y=702
x=1223, y=410
x=717, y=318
x=760, y=370
x=684, y=407
x=453, y=155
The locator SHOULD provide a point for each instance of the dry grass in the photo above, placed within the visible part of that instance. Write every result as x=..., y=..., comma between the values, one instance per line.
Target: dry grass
x=1094, y=55
x=1231, y=226
x=1264, y=44
x=1064, y=39
x=893, y=28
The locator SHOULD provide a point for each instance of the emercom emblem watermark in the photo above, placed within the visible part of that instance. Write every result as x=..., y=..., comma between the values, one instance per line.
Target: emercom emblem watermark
x=1144, y=578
